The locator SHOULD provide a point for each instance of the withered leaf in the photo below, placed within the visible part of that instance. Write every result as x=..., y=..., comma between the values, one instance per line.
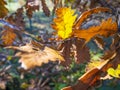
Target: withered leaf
x=66, y=51
x=85, y=15
x=111, y=59
x=3, y=9
x=8, y=36
x=45, y=8
x=82, y=51
x=74, y=48
x=19, y=19
x=90, y=77
x=31, y=6
x=105, y=29
x=31, y=56
x=99, y=41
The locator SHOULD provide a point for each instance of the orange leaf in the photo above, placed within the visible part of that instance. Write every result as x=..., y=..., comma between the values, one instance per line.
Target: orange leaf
x=3, y=9
x=88, y=13
x=89, y=78
x=106, y=29
x=8, y=36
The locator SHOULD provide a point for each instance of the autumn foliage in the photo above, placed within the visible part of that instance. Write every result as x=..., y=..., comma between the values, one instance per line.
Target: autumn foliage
x=68, y=43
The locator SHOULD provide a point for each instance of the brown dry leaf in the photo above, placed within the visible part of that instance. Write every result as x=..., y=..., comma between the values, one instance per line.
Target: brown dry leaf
x=45, y=8
x=86, y=14
x=31, y=6
x=99, y=41
x=56, y=3
x=111, y=59
x=3, y=9
x=82, y=51
x=105, y=29
x=93, y=75
x=19, y=19
x=31, y=56
x=74, y=48
x=8, y=36
x=66, y=51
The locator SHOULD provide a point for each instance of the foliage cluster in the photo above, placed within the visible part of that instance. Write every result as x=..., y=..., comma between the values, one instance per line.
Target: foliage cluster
x=68, y=45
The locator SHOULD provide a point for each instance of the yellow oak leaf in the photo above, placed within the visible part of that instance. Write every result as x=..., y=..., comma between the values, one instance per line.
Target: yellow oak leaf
x=64, y=21
x=114, y=72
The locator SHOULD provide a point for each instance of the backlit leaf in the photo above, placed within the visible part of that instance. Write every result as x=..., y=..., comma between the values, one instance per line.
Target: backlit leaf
x=64, y=21
x=31, y=56
x=3, y=9
x=86, y=14
x=106, y=28
x=8, y=36
x=91, y=76
x=114, y=72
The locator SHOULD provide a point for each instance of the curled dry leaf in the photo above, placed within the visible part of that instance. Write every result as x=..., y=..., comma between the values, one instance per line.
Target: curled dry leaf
x=106, y=28
x=90, y=77
x=86, y=14
x=111, y=59
x=31, y=56
x=99, y=41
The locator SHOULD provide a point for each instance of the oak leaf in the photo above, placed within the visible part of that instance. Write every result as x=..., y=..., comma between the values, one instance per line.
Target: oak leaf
x=106, y=28
x=3, y=9
x=66, y=52
x=8, y=36
x=63, y=22
x=74, y=48
x=31, y=56
x=86, y=14
x=91, y=76
x=100, y=42
x=82, y=51
x=31, y=6
x=114, y=72
x=45, y=8
x=111, y=59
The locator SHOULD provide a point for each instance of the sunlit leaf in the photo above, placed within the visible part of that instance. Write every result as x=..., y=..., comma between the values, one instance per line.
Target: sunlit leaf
x=114, y=72
x=86, y=14
x=106, y=28
x=64, y=21
x=3, y=9
x=8, y=36
x=31, y=56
